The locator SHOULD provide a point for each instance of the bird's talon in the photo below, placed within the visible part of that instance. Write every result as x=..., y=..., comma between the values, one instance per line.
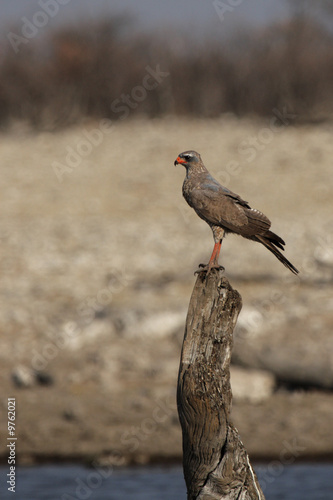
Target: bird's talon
x=223, y=210
x=198, y=271
x=202, y=269
x=206, y=268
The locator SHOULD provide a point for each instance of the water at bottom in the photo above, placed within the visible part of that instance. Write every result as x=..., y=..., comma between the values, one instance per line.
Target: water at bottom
x=70, y=482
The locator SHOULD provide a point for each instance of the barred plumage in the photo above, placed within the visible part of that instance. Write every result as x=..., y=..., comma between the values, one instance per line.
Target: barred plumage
x=225, y=211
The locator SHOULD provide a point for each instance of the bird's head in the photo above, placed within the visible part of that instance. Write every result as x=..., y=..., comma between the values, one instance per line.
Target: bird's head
x=189, y=159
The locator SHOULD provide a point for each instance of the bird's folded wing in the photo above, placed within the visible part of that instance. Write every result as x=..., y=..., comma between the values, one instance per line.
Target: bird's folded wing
x=228, y=210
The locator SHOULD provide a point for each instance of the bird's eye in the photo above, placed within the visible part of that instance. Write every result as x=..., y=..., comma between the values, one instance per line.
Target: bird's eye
x=187, y=157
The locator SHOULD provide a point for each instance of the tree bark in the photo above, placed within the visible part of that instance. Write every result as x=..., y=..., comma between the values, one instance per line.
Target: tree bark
x=216, y=464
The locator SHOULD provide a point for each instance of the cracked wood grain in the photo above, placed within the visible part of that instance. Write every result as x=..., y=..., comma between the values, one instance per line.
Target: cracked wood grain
x=216, y=464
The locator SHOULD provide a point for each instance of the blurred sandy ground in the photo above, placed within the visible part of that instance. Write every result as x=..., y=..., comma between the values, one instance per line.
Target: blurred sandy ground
x=109, y=248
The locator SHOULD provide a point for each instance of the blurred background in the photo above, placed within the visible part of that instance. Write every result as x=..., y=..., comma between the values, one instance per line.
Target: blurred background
x=99, y=248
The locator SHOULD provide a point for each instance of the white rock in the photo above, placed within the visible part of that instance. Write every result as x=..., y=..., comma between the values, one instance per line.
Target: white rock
x=23, y=376
x=324, y=256
x=251, y=385
x=89, y=334
x=250, y=322
x=158, y=325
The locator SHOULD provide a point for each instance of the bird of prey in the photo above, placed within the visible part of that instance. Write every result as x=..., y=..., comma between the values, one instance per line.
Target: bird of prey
x=225, y=211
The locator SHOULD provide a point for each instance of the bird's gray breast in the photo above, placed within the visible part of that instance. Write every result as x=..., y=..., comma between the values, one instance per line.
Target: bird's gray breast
x=187, y=191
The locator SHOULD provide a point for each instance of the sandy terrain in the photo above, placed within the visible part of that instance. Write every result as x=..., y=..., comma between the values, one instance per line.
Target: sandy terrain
x=98, y=254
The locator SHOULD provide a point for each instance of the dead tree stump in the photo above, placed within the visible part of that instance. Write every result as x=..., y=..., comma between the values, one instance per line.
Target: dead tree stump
x=216, y=464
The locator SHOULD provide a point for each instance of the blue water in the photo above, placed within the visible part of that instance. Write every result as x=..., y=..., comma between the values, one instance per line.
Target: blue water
x=293, y=482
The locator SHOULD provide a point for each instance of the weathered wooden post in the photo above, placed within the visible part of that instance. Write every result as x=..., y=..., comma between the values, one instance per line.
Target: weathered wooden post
x=216, y=464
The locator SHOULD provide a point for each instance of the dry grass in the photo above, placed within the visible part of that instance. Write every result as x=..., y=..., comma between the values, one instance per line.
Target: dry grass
x=112, y=248
x=121, y=208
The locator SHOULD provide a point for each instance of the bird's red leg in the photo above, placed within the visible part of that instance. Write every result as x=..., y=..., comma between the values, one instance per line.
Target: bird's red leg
x=214, y=259
x=216, y=251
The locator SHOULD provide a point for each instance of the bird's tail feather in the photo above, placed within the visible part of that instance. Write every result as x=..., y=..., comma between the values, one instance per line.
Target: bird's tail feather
x=269, y=240
x=275, y=239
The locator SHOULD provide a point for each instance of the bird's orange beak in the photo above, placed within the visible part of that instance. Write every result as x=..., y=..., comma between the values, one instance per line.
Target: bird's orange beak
x=179, y=160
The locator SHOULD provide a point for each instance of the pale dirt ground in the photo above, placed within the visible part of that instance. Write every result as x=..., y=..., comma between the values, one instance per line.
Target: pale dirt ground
x=97, y=271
